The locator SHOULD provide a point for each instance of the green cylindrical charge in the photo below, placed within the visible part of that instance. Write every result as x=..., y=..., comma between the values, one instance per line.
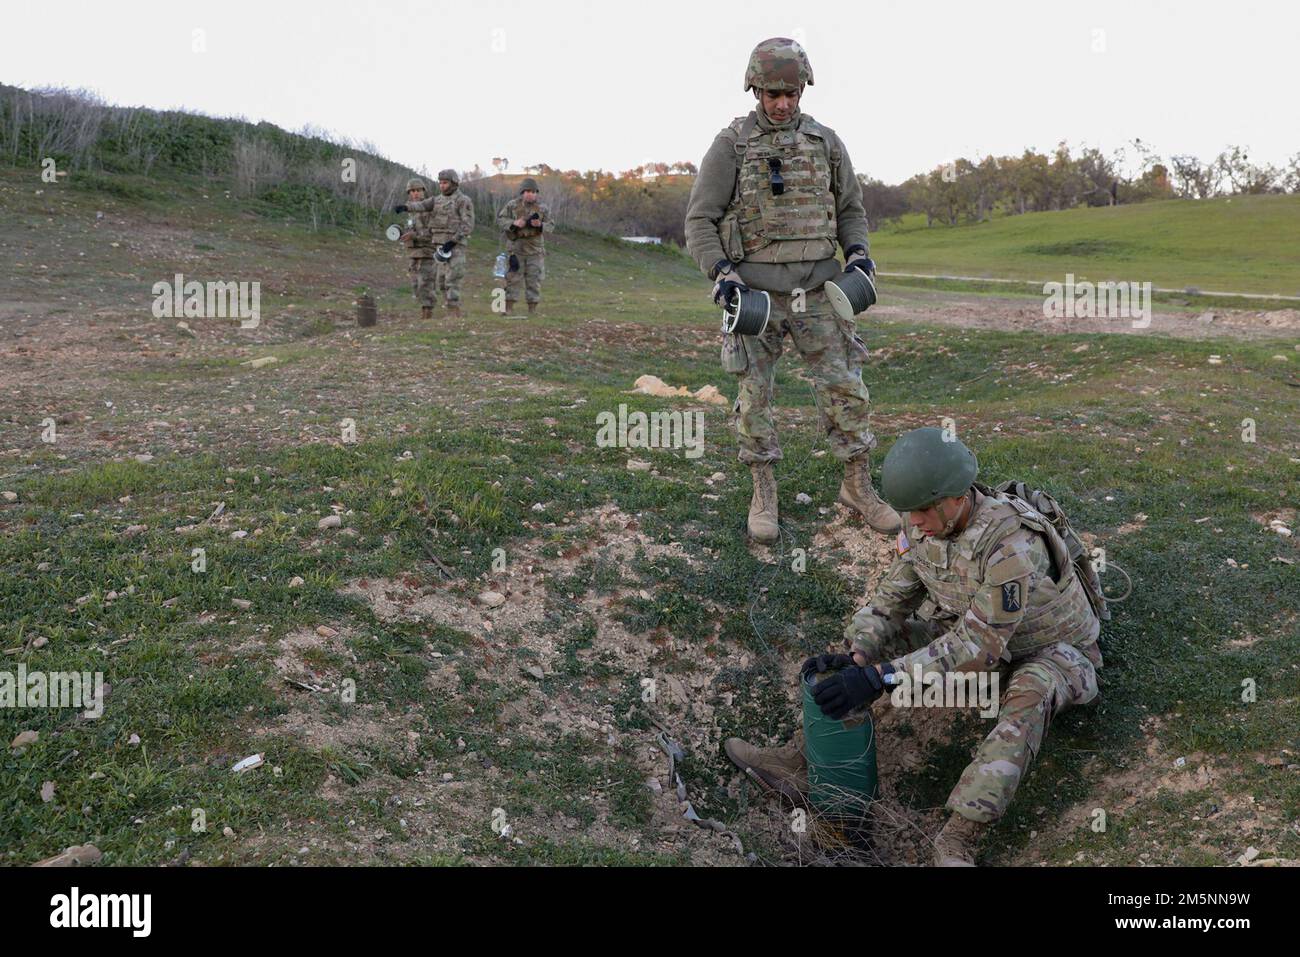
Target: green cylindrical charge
x=842, y=778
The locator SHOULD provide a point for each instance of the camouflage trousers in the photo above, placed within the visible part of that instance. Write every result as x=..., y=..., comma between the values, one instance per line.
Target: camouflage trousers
x=529, y=275
x=423, y=281
x=834, y=354
x=1033, y=689
x=431, y=278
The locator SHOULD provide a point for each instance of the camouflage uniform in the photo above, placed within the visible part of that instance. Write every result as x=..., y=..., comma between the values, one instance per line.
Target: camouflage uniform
x=437, y=220
x=985, y=600
x=785, y=244
x=528, y=245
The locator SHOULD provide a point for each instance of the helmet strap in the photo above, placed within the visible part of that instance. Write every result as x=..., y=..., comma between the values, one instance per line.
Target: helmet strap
x=950, y=525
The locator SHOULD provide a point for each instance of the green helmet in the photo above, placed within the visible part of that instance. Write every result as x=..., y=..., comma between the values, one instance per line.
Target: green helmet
x=529, y=183
x=415, y=183
x=923, y=467
x=450, y=175
x=778, y=64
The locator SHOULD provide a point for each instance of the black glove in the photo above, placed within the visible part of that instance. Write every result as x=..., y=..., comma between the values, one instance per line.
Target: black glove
x=447, y=247
x=514, y=263
x=535, y=219
x=724, y=288
x=866, y=265
x=848, y=689
x=827, y=662
x=399, y=208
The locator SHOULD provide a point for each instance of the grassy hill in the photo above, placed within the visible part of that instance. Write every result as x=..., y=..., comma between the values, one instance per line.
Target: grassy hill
x=475, y=470
x=1230, y=244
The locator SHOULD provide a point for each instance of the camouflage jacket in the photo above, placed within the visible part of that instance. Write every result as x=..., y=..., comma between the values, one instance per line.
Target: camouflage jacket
x=993, y=584
x=524, y=240
x=437, y=220
x=782, y=242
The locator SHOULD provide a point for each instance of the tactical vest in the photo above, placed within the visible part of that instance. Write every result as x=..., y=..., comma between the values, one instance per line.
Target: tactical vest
x=950, y=569
x=799, y=224
x=441, y=221
x=521, y=210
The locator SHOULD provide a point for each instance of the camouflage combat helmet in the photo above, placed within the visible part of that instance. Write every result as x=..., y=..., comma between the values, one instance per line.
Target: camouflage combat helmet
x=450, y=175
x=778, y=64
x=529, y=183
x=923, y=467
x=415, y=183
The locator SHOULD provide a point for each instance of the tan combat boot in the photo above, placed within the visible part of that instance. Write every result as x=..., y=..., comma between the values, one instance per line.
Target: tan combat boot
x=762, y=506
x=857, y=492
x=783, y=770
x=510, y=307
x=956, y=844
x=426, y=312
x=453, y=310
x=532, y=307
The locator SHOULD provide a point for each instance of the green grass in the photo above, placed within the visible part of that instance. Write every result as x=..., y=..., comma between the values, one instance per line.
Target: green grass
x=1231, y=244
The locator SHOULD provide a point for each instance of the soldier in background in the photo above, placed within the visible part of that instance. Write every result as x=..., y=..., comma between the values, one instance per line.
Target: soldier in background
x=982, y=583
x=525, y=220
x=416, y=239
x=441, y=226
x=775, y=194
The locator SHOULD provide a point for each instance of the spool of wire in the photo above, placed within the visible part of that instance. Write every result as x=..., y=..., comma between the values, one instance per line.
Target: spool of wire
x=851, y=292
x=746, y=312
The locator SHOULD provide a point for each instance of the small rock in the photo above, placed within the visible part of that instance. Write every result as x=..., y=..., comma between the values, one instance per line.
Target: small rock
x=717, y=477
x=636, y=465
x=492, y=599
x=134, y=530
x=296, y=582
x=1248, y=855
x=330, y=521
x=47, y=792
x=243, y=604
x=1179, y=762
x=75, y=856
x=325, y=631
x=539, y=507
x=144, y=457
x=24, y=739
x=10, y=496
x=227, y=831
x=43, y=567
x=134, y=740
x=448, y=776
x=534, y=671
x=803, y=498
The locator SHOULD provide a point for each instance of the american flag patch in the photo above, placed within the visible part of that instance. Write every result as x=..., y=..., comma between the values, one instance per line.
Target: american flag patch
x=903, y=543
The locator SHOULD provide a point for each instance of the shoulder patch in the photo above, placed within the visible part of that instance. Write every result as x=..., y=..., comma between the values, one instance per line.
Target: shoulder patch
x=1011, y=598
x=903, y=544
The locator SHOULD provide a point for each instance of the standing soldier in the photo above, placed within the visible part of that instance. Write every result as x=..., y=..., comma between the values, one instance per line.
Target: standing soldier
x=983, y=582
x=440, y=227
x=775, y=193
x=525, y=222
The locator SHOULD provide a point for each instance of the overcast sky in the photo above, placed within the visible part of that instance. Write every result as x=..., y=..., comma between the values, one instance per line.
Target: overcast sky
x=908, y=85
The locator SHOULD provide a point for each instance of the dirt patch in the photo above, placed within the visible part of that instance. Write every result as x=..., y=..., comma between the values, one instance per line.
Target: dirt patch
x=970, y=311
x=1225, y=810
